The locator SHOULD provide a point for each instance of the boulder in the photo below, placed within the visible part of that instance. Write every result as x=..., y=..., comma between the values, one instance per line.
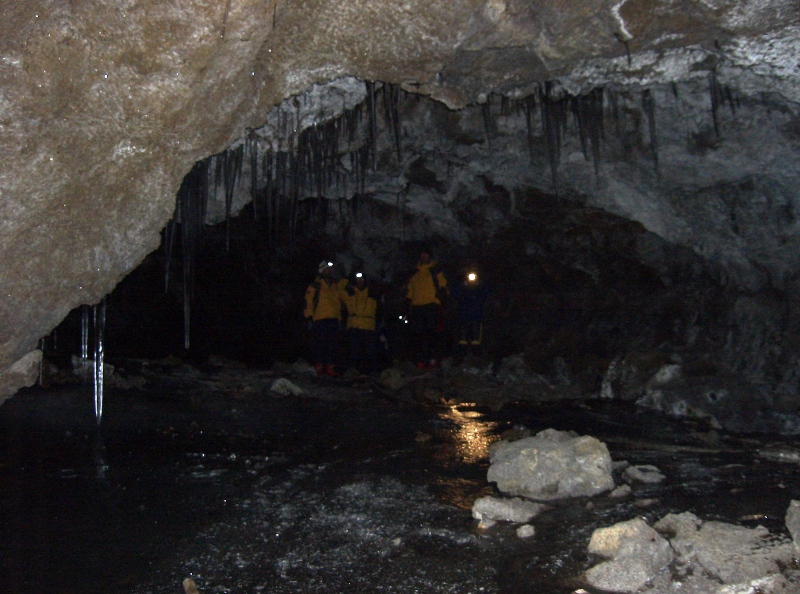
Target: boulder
x=283, y=387
x=551, y=465
x=23, y=373
x=503, y=509
x=644, y=473
x=635, y=553
x=793, y=522
x=731, y=554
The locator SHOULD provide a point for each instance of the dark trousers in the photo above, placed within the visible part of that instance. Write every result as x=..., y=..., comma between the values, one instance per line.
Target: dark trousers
x=424, y=321
x=363, y=349
x=325, y=341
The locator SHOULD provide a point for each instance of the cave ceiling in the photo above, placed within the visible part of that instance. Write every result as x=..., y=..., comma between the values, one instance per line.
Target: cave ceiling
x=105, y=106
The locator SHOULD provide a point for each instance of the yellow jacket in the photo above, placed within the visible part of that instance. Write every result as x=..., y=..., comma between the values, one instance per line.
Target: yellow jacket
x=421, y=288
x=324, y=299
x=361, y=309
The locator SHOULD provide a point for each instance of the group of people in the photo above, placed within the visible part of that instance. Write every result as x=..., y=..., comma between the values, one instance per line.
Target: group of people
x=427, y=294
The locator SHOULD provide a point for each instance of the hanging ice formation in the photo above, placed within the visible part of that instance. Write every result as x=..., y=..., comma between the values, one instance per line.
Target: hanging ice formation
x=84, y=340
x=486, y=112
x=228, y=170
x=99, y=339
x=391, y=100
x=554, y=122
x=191, y=210
x=649, y=108
x=720, y=94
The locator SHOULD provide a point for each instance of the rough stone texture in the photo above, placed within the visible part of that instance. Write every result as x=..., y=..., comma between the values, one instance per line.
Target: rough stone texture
x=551, y=465
x=793, y=521
x=21, y=374
x=643, y=473
x=506, y=510
x=106, y=106
x=636, y=554
x=732, y=554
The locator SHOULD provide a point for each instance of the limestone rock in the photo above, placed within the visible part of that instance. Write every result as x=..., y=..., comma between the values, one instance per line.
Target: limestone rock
x=793, y=521
x=636, y=554
x=526, y=531
x=551, y=465
x=508, y=510
x=643, y=473
x=283, y=387
x=21, y=374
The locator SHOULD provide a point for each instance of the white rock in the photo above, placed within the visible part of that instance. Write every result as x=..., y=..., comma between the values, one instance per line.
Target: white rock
x=284, y=387
x=526, y=531
x=551, y=465
x=505, y=510
x=644, y=473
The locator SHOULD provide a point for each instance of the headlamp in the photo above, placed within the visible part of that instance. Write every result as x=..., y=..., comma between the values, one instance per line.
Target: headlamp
x=472, y=277
x=359, y=275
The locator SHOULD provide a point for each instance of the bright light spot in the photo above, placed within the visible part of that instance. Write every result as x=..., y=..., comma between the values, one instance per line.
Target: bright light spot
x=358, y=274
x=472, y=277
x=471, y=435
x=330, y=264
x=105, y=75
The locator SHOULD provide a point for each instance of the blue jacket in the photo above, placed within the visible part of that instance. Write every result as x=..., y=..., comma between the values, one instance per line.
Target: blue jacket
x=471, y=299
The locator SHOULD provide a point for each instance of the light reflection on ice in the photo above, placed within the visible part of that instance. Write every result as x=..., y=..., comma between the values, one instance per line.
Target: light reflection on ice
x=472, y=435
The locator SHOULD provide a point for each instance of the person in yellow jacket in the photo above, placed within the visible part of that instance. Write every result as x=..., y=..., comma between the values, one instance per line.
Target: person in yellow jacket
x=362, y=307
x=324, y=298
x=427, y=288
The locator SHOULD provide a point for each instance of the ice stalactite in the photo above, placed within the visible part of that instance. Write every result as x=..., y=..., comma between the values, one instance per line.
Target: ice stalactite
x=169, y=246
x=191, y=209
x=613, y=100
x=391, y=99
x=228, y=170
x=41, y=362
x=373, y=124
x=486, y=111
x=252, y=151
x=99, y=355
x=720, y=94
x=530, y=107
x=554, y=120
x=588, y=114
x=649, y=108
x=84, y=339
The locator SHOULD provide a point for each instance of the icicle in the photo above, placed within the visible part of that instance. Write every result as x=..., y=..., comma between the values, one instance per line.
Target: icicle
x=553, y=121
x=252, y=150
x=192, y=199
x=373, y=124
x=577, y=108
x=505, y=106
x=716, y=97
x=391, y=99
x=84, y=332
x=649, y=107
x=99, y=335
x=530, y=105
x=593, y=120
x=41, y=362
x=486, y=110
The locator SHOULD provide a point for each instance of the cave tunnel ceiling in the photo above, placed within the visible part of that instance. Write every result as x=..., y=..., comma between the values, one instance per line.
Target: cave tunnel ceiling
x=691, y=107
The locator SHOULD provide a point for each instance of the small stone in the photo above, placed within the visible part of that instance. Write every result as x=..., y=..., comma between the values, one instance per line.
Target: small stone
x=620, y=492
x=644, y=473
x=526, y=531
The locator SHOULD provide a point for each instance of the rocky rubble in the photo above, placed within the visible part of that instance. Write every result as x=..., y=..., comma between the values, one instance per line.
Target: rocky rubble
x=703, y=557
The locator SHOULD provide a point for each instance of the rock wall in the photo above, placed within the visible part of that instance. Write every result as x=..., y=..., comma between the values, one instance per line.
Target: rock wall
x=106, y=106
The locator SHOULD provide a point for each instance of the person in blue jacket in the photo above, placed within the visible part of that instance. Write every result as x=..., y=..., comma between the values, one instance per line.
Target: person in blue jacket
x=470, y=294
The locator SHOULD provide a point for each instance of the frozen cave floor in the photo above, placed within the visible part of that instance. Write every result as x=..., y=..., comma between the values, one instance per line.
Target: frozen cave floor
x=348, y=487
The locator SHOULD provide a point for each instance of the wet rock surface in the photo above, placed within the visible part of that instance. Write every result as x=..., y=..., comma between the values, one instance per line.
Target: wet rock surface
x=206, y=473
